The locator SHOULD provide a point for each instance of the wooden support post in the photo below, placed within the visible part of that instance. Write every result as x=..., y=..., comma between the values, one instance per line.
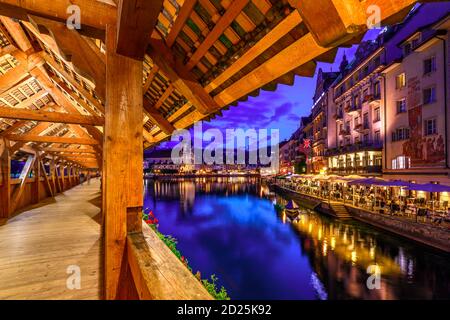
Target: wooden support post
x=47, y=180
x=15, y=199
x=62, y=176
x=69, y=175
x=55, y=178
x=5, y=186
x=123, y=158
x=36, y=187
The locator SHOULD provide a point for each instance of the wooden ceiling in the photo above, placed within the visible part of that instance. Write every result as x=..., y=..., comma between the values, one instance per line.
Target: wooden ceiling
x=199, y=58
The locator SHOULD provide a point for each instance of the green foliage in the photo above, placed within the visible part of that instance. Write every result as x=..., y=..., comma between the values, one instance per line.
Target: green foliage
x=210, y=286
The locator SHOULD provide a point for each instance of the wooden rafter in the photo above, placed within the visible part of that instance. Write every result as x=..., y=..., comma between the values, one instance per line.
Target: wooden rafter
x=224, y=22
x=135, y=21
x=21, y=71
x=52, y=139
x=262, y=45
x=17, y=33
x=95, y=15
x=157, y=118
x=180, y=77
x=75, y=48
x=58, y=117
x=180, y=21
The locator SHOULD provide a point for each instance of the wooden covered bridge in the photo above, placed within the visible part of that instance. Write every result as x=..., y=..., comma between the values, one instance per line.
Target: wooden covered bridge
x=86, y=85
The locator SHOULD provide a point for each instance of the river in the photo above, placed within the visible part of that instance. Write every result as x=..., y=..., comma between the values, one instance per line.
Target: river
x=230, y=227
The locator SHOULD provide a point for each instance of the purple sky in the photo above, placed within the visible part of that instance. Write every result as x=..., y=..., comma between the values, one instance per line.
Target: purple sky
x=281, y=109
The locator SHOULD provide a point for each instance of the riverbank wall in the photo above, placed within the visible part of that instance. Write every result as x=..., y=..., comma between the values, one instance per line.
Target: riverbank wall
x=434, y=236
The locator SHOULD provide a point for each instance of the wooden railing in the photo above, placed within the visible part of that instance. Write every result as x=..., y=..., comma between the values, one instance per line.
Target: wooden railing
x=152, y=271
x=34, y=193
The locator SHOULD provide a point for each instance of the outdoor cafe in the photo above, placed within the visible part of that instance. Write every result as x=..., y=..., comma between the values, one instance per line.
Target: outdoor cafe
x=427, y=203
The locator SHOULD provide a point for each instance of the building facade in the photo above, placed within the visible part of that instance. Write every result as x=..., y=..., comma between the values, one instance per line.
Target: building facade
x=417, y=104
x=319, y=116
x=389, y=111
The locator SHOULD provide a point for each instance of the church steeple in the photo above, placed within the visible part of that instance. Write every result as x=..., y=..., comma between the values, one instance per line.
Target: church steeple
x=344, y=63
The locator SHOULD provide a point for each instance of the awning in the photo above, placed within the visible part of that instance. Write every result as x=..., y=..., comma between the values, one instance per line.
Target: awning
x=429, y=187
x=368, y=182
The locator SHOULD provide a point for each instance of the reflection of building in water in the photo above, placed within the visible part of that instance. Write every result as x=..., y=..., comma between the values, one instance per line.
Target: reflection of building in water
x=185, y=190
x=187, y=196
x=341, y=253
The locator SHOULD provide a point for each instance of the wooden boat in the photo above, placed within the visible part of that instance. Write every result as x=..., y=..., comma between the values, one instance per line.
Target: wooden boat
x=292, y=210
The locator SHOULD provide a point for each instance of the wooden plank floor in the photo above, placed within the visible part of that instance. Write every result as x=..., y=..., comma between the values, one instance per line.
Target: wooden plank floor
x=39, y=245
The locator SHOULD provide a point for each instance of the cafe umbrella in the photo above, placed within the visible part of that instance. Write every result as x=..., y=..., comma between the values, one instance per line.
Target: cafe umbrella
x=430, y=188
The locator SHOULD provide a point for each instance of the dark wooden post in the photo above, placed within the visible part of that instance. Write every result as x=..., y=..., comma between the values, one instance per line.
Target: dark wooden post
x=36, y=186
x=5, y=187
x=62, y=176
x=123, y=157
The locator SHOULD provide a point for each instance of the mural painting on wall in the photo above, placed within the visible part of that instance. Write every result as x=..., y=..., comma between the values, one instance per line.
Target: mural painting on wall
x=424, y=151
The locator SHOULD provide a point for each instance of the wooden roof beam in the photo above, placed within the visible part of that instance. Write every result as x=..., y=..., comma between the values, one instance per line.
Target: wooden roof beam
x=297, y=54
x=333, y=23
x=69, y=150
x=86, y=60
x=63, y=101
x=157, y=118
x=51, y=139
x=278, y=32
x=58, y=117
x=21, y=71
x=58, y=69
x=180, y=21
x=181, y=78
x=19, y=124
x=235, y=8
x=9, y=49
x=15, y=30
x=95, y=15
x=136, y=20
x=40, y=128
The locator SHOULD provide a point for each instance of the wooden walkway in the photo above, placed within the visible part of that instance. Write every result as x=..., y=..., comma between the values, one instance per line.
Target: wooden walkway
x=39, y=245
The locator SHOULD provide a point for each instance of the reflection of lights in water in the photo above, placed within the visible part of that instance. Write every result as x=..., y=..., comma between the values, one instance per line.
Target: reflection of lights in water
x=283, y=217
x=341, y=241
x=410, y=269
x=372, y=252
x=318, y=287
x=324, y=248
x=354, y=257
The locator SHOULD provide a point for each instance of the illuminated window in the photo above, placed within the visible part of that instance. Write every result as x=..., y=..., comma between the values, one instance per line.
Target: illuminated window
x=401, y=162
x=401, y=106
x=377, y=115
x=400, y=81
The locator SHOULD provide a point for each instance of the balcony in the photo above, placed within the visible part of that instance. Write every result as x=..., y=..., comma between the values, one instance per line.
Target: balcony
x=359, y=128
x=361, y=170
x=357, y=147
x=353, y=109
x=372, y=99
x=345, y=132
x=339, y=116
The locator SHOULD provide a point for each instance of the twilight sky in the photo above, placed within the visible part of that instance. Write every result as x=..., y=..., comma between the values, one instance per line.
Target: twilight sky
x=281, y=109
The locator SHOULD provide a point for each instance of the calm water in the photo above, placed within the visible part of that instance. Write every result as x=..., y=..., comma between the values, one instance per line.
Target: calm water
x=229, y=227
